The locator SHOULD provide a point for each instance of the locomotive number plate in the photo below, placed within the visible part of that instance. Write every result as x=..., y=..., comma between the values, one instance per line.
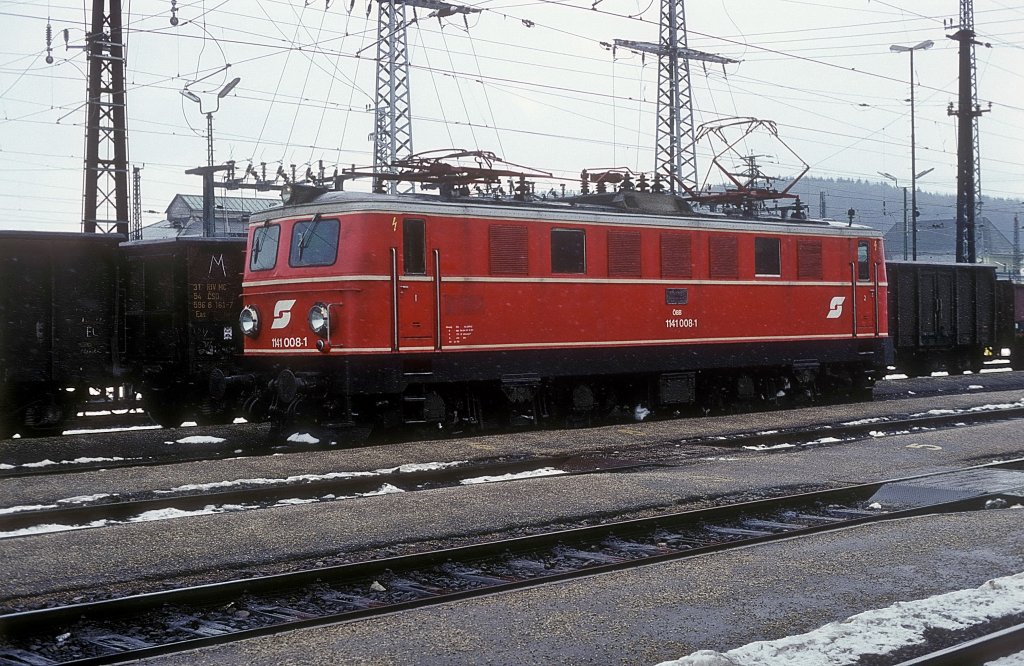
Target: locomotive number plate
x=289, y=343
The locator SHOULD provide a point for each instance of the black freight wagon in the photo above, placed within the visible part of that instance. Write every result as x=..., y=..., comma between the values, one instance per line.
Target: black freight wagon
x=58, y=326
x=181, y=321
x=943, y=316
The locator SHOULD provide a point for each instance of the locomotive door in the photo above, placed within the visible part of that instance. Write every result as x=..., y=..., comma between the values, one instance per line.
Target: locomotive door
x=865, y=290
x=415, y=297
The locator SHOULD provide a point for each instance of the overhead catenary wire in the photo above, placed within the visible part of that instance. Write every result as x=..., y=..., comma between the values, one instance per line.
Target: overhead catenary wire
x=559, y=95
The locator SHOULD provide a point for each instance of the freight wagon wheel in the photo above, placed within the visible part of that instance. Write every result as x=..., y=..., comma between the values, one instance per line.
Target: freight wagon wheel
x=33, y=432
x=163, y=409
x=45, y=415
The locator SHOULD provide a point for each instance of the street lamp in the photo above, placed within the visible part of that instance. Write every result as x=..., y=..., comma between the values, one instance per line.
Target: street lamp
x=896, y=48
x=188, y=94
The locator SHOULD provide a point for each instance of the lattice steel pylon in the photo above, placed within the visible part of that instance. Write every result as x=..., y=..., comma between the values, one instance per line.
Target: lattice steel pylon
x=105, y=189
x=967, y=23
x=392, y=138
x=675, y=152
x=968, y=199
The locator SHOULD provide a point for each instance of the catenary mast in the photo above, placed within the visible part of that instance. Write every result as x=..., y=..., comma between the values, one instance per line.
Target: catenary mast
x=675, y=153
x=105, y=188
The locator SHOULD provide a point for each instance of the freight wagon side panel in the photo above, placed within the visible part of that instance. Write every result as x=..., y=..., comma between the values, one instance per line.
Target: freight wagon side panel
x=57, y=307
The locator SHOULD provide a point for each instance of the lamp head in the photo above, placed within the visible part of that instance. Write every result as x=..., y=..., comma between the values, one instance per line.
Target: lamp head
x=229, y=87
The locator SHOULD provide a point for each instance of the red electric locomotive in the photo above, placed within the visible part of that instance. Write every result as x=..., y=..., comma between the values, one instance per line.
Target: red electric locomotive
x=456, y=309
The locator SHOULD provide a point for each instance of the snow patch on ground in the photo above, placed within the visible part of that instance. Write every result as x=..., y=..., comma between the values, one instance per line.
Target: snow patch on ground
x=83, y=499
x=77, y=461
x=200, y=439
x=26, y=507
x=875, y=419
x=44, y=529
x=544, y=471
x=876, y=631
x=85, y=431
x=774, y=447
x=171, y=512
x=303, y=438
x=41, y=463
x=309, y=478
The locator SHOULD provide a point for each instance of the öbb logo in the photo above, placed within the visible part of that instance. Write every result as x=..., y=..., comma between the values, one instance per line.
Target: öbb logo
x=282, y=313
x=835, y=308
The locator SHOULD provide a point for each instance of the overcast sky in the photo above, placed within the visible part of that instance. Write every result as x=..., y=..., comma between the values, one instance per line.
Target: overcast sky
x=533, y=82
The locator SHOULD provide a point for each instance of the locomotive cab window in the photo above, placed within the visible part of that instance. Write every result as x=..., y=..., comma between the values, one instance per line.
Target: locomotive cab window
x=767, y=262
x=863, y=261
x=265, y=241
x=414, y=247
x=568, y=251
x=314, y=243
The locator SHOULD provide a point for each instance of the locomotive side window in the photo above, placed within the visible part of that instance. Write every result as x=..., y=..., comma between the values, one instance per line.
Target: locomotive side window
x=264, y=247
x=414, y=244
x=676, y=256
x=314, y=243
x=767, y=262
x=808, y=260
x=863, y=265
x=568, y=251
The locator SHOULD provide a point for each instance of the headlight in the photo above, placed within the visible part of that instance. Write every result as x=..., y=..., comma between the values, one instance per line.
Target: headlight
x=319, y=319
x=249, y=320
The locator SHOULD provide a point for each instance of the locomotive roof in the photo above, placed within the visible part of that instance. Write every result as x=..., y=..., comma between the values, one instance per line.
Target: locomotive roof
x=554, y=210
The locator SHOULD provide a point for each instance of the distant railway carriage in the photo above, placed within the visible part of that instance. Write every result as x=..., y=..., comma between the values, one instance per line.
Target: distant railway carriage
x=422, y=309
x=1011, y=304
x=949, y=317
x=181, y=322
x=58, y=332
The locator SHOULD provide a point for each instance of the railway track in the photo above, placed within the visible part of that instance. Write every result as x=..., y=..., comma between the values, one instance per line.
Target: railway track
x=248, y=494
x=975, y=652
x=171, y=621
x=808, y=435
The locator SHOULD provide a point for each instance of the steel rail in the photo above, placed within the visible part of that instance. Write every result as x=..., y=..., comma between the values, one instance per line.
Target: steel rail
x=351, y=486
x=799, y=435
x=54, y=621
x=975, y=652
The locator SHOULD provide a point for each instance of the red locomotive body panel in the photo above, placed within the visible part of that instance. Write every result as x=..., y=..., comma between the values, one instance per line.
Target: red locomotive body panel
x=425, y=290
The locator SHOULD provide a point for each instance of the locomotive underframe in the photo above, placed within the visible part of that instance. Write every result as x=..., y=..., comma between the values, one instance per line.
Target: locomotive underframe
x=525, y=387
